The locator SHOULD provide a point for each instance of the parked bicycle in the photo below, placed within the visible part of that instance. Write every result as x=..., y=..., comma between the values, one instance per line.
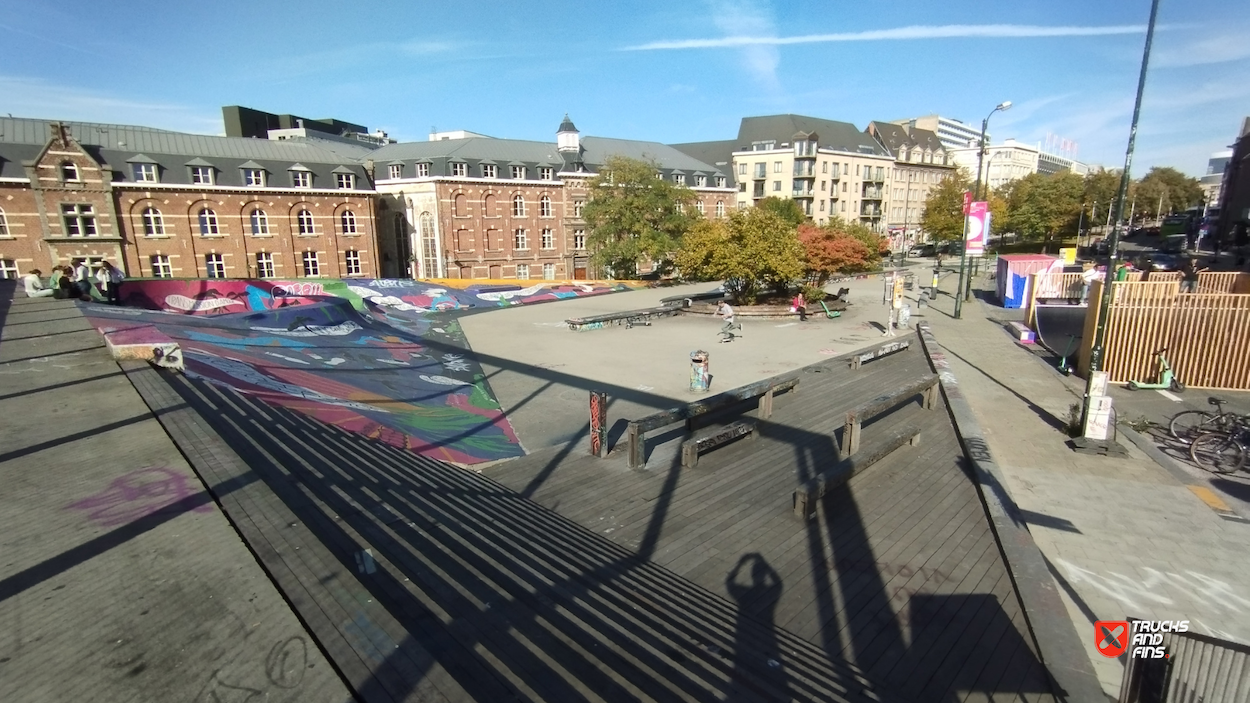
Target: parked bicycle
x=1221, y=452
x=1188, y=424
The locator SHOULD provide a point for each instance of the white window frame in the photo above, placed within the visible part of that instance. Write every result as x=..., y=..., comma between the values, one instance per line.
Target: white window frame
x=544, y=206
x=720, y=181
x=161, y=266
x=489, y=170
x=395, y=170
x=548, y=239
x=345, y=181
x=305, y=223
x=579, y=239
x=423, y=169
x=347, y=219
x=578, y=205
x=153, y=222
x=518, y=172
x=546, y=173
x=79, y=220
x=679, y=179
x=301, y=179
x=4, y=225
x=264, y=265
x=522, y=272
x=254, y=177
x=351, y=262
x=259, y=223
x=146, y=173
x=9, y=270
x=69, y=172
x=311, y=264
x=720, y=208
x=520, y=239
x=209, y=225
x=459, y=169
x=549, y=272
x=700, y=181
x=214, y=266
x=202, y=175
x=518, y=206
x=698, y=205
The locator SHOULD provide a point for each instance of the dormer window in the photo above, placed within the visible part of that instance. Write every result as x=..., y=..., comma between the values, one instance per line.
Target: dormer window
x=345, y=181
x=720, y=181
x=679, y=179
x=489, y=171
x=396, y=170
x=69, y=172
x=700, y=181
x=518, y=172
x=459, y=168
x=202, y=175
x=145, y=173
x=254, y=177
x=546, y=173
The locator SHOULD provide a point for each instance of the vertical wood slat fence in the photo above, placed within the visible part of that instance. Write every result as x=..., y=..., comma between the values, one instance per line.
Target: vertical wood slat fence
x=1050, y=285
x=1207, y=334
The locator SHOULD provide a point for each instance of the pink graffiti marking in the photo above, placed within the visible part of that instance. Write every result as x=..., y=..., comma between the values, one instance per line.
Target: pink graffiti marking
x=136, y=495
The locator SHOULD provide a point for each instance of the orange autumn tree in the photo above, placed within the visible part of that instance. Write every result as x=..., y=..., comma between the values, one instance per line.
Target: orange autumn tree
x=839, y=247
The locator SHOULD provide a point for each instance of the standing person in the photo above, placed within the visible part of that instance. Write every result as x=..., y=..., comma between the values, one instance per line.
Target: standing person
x=800, y=306
x=1088, y=277
x=82, y=280
x=110, y=278
x=34, y=285
x=1189, y=276
x=726, y=313
x=1121, y=271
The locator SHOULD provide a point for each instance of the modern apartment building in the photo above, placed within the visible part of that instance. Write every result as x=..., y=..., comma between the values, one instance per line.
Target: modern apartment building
x=163, y=204
x=1235, y=191
x=952, y=133
x=1004, y=162
x=1048, y=164
x=479, y=207
x=921, y=162
x=1213, y=180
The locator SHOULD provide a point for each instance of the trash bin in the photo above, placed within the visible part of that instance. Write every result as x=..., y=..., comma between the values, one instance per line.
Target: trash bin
x=699, y=377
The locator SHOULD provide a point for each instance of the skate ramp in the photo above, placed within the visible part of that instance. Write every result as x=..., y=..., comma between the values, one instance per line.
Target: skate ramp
x=1060, y=328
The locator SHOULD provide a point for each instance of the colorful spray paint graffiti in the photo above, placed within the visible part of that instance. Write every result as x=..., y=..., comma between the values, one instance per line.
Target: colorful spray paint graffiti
x=225, y=296
x=382, y=358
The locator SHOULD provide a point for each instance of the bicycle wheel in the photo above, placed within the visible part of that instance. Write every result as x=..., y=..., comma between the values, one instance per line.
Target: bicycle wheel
x=1189, y=423
x=1218, y=452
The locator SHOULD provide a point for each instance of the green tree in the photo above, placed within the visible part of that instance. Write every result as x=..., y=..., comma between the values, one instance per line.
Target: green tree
x=1045, y=207
x=1102, y=188
x=1165, y=190
x=754, y=251
x=943, y=216
x=631, y=215
x=786, y=209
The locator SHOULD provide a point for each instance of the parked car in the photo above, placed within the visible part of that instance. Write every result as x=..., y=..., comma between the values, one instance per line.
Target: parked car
x=922, y=250
x=1165, y=262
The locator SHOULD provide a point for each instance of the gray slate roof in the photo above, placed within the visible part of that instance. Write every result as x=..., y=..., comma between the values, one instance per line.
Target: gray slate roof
x=712, y=153
x=839, y=136
x=23, y=138
x=895, y=137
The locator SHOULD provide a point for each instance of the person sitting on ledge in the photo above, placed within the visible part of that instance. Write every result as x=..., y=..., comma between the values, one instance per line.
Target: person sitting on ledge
x=34, y=285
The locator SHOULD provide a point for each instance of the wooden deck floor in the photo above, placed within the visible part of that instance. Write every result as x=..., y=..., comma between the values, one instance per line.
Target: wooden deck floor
x=469, y=591
x=899, y=573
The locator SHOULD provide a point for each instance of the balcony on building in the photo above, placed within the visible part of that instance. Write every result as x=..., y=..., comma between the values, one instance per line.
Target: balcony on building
x=871, y=193
x=758, y=191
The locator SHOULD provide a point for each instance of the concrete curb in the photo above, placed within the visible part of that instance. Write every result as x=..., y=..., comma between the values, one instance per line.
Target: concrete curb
x=1059, y=647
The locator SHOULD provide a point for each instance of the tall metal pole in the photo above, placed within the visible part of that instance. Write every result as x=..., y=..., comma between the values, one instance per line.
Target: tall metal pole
x=967, y=293
x=1104, y=300
x=960, y=293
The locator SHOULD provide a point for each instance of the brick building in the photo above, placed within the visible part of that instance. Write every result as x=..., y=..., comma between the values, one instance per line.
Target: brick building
x=162, y=204
x=505, y=208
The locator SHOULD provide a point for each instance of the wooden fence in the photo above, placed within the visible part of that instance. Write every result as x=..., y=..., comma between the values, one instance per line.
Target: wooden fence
x=1206, y=334
x=1051, y=285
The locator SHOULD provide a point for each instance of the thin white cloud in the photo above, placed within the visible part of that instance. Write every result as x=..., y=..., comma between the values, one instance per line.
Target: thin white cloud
x=26, y=97
x=950, y=31
x=1205, y=51
x=749, y=17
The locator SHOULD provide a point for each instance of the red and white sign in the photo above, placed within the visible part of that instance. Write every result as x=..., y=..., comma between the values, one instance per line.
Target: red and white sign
x=978, y=228
x=967, y=201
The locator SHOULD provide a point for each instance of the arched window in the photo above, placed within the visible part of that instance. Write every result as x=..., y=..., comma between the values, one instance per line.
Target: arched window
x=429, y=246
x=208, y=223
x=720, y=208
x=305, y=223
x=153, y=223
x=518, y=206
x=348, y=220
x=544, y=207
x=698, y=205
x=260, y=223
x=489, y=206
x=460, y=205
x=69, y=172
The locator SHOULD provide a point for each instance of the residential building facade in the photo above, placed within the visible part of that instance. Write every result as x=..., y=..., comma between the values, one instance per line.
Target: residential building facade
x=1213, y=180
x=921, y=162
x=166, y=204
x=1049, y=164
x=1235, y=192
x=485, y=208
x=1004, y=162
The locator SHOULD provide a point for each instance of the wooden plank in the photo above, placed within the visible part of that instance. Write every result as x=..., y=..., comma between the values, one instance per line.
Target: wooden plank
x=714, y=437
x=806, y=495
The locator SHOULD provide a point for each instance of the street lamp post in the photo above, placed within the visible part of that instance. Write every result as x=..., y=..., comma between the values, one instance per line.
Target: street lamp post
x=960, y=294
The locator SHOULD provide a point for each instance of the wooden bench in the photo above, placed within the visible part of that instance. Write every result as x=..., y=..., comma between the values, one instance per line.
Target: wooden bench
x=811, y=491
x=853, y=429
x=863, y=358
x=629, y=318
x=636, y=432
x=713, y=437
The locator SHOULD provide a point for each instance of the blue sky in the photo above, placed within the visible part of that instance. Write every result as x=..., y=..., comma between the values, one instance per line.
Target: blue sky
x=663, y=71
